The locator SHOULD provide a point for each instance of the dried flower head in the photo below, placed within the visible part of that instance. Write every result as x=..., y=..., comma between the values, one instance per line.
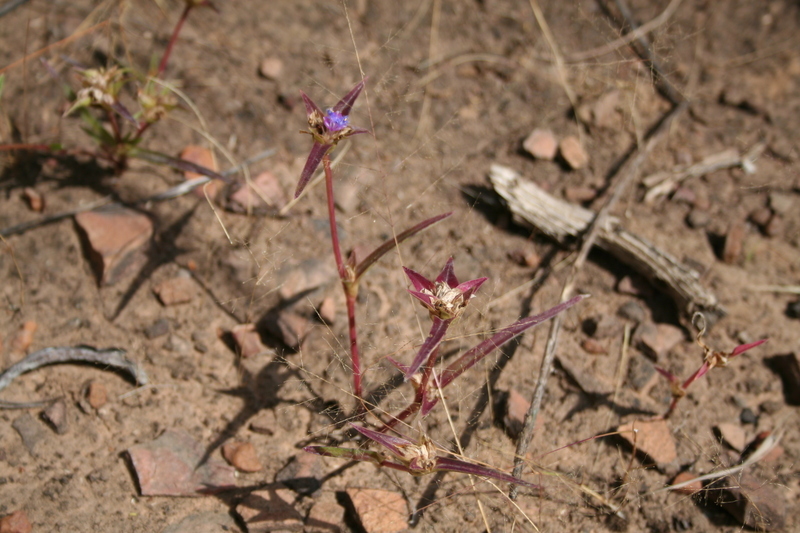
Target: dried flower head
x=101, y=88
x=444, y=297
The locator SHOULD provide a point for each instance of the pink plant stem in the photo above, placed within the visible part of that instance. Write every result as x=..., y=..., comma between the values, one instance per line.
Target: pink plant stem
x=415, y=405
x=174, y=37
x=350, y=287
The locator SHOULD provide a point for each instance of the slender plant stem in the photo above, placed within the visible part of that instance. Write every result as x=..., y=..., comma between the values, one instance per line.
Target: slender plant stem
x=174, y=37
x=337, y=250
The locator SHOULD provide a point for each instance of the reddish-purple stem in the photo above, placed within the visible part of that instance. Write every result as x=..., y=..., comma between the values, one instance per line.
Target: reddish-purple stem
x=173, y=38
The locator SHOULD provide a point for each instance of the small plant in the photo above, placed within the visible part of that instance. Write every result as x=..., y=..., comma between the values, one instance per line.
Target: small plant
x=444, y=298
x=711, y=358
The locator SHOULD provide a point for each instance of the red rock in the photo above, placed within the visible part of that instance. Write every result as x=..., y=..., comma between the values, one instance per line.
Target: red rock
x=264, y=194
x=205, y=158
x=270, y=510
x=541, y=144
x=733, y=435
x=379, y=511
x=326, y=516
x=303, y=473
x=573, y=152
x=56, y=415
x=96, y=395
x=516, y=408
x=579, y=195
x=653, y=438
x=692, y=488
x=171, y=466
x=115, y=238
x=734, y=242
x=16, y=522
x=290, y=327
x=327, y=310
x=34, y=199
x=24, y=337
x=248, y=340
x=175, y=291
x=659, y=339
x=242, y=455
x=594, y=347
x=271, y=68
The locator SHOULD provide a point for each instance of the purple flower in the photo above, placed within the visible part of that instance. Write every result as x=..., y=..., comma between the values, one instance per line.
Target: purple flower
x=327, y=129
x=444, y=297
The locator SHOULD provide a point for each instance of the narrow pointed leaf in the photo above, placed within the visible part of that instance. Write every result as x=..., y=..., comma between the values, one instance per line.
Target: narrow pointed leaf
x=345, y=105
x=124, y=113
x=419, y=281
x=426, y=299
x=310, y=105
x=448, y=274
x=477, y=353
x=400, y=366
x=438, y=331
x=381, y=250
x=667, y=374
x=177, y=163
x=744, y=347
x=697, y=375
x=468, y=288
x=462, y=467
x=313, y=161
x=345, y=453
x=394, y=444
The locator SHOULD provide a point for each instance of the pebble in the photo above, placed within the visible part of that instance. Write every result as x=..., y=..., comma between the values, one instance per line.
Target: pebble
x=692, y=488
x=586, y=380
x=754, y=502
x=248, y=340
x=747, y=416
x=205, y=158
x=264, y=195
x=793, y=309
x=579, y=195
x=176, y=343
x=157, y=329
x=327, y=310
x=290, y=327
x=604, y=110
x=242, y=456
x=541, y=144
x=96, y=395
x=573, y=153
x=780, y=202
x=379, y=510
x=31, y=432
x=698, y=219
x=684, y=195
x=56, y=415
x=171, y=466
x=640, y=372
x=298, y=279
x=653, y=438
x=760, y=217
x=658, y=339
x=271, y=68
x=525, y=257
x=594, y=347
x=23, y=339
x=634, y=285
x=16, y=522
x=632, y=310
x=34, y=199
x=173, y=291
x=303, y=473
x=734, y=242
x=270, y=510
x=514, y=413
x=733, y=435
x=116, y=237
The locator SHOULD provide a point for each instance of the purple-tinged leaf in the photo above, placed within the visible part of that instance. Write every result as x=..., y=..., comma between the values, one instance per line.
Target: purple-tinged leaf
x=462, y=467
x=313, y=161
x=345, y=105
x=311, y=107
x=477, y=353
x=419, y=281
x=426, y=299
x=448, y=274
x=124, y=113
x=469, y=288
x=390, y=244
x=394, y=444
x=438, y=331
x=744, y=347
x=704, y=368
x=667, y=374
x=400, y=366
x=345, y=453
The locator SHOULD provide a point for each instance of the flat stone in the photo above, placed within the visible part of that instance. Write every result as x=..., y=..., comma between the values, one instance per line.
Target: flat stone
x=270, y=510
x=634, y=285
x=96, y=394
x=659, y=339
x=541, y=144
x=32, y=432
x=379, y=511
x=303, y=473
x=248, y=340
x=326, y=516
x=177, y=290
x=56, y=415
x=290, y=327
x=594, y=347
x=632, y=311
x=170, y=466
x=264, y=423
x=604, y=110
x=115, y=238
x=653, y=438
x=586, y=380
x=733, y=435
x=692, y=488
x=271, y=68
x=205, y=158
x=34, y=199
x=754, y=502
x=264, y=195
x=157, y=329
x=242, y=455
x=208, y=522
x=16, y=522
x=573, y=152
x=299, y=279
x=734, y=243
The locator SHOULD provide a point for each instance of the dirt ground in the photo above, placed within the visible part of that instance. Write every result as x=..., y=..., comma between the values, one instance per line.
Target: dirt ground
x=452, y=88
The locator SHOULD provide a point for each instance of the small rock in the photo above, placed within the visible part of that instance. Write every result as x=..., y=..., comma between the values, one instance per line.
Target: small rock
x=34, y=199
x=271, y=68
x=780, y=202
x=242, y=455
x=24, y=338
x=176, y=343
x=264, y=195
x=698, y=219
x=16, y=522
x=379, y=510
x=653, y=438
x=326, y=516
x=640, y=372
x=586, y=380
x=115, y=238
x=514, y=414
x=200, y=341
x=204, y=158
x=734, y=242
x=659, y=339
x=327, y=310
x=264, y=422
x=632, y=311
x=171, y=466
x=290, y=327
x=733, y=435
x=774, y=227
x=692, y=488
x=346, y=197
x=684, y=195
x=31, y=431
x=594, y=347
x=96, y=395
x=303, y=473
x=541, y=144
x=755, y=503
x=157, y=329
x=579, y=195
x=525, y=257
x=634, y=285
x=270, y=510
x=760, y=217
x=175, y=291
x=297, y=280
x=793, y=309
x=208, y=522
x=248, y=340
x=604, y=110
x=56, y=415
x=747, y=416
x=573, y=153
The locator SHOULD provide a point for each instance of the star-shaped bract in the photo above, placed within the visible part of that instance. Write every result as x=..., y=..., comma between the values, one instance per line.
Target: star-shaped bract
x=444, y=297
x=327, y=129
